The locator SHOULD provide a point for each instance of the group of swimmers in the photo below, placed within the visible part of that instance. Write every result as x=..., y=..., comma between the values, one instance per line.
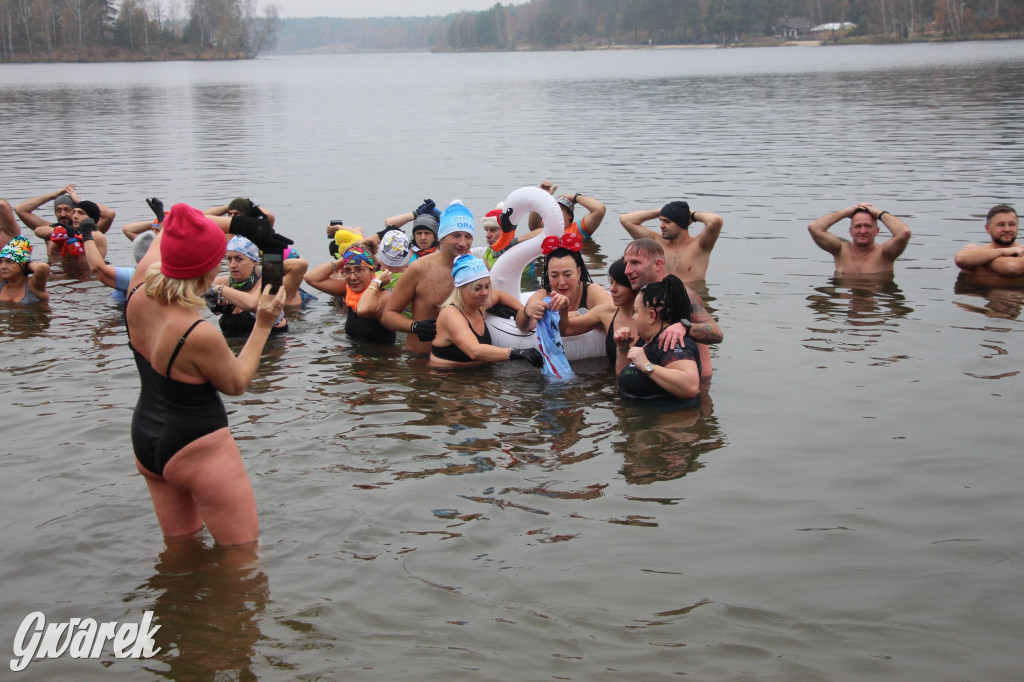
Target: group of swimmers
x=431, y=287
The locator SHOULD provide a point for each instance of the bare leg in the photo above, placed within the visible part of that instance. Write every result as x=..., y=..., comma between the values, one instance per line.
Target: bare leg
x=211, y=471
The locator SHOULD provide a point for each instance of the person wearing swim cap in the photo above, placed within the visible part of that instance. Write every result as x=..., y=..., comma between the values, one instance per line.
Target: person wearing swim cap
x=183, y=447
x=428, y=281
x=586, y=226
x=22, y=282
x=9, y=228
x=65, y=200
x=243, y=207
x=425, y=219
x=235, y=297
x=463, y=339
x=686, y=256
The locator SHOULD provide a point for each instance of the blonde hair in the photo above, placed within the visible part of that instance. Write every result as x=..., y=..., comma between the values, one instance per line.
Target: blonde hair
x=171, y=291
x=455, y=298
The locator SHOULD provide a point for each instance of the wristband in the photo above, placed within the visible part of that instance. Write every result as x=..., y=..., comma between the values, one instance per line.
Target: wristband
x=576, y=198
x=881, y=214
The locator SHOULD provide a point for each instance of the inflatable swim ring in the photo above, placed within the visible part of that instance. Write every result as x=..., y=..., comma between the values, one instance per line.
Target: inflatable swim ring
x=507, y=274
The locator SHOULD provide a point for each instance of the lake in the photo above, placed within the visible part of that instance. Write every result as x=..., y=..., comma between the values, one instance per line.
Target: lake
x=843, y=506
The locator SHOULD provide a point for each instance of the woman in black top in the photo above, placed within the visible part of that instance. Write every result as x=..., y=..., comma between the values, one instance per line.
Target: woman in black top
x=463, y=339
x=645, y=371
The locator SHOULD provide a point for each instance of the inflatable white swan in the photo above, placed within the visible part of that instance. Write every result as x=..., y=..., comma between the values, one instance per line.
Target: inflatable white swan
x=507, y=274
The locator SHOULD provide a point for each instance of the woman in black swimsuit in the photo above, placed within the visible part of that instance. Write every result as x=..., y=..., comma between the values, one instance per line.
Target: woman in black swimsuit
x=645, y=371
x=607, y=317
x=183, y=447
x=565, y=274
x=463, y=339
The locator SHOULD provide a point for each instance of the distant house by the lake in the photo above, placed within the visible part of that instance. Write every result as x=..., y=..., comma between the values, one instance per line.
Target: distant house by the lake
x=793, y=28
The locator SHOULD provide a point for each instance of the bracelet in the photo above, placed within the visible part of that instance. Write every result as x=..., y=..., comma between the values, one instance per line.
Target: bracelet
x=509, y=356
x=377, y=282
x=576, y=198
x=220, y=290
x=881, y=214
x=622, y=350
x=412, y=325
x=334, y=266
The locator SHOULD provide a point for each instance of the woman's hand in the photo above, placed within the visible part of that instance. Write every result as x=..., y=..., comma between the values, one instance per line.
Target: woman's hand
x=623, y=337
x=269, y=308
x=535, y=309
x=559, y=303
x=637, y=356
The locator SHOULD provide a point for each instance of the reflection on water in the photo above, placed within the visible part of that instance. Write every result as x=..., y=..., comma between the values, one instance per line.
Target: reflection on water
x=209, y=602
x=859, y=309
x=994, y=302
x=661, y=445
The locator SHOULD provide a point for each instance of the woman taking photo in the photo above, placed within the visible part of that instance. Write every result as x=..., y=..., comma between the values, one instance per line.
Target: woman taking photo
x=463, y=339
x=180, y=435
x=645, y=371
x=21, y=281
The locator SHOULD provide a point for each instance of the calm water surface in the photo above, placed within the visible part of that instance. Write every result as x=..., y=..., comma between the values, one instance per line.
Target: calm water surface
x=843, y=506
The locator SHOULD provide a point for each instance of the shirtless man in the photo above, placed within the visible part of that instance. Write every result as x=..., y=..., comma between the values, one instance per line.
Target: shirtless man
x=861, y=255
x=1000, y=262
x=686, y=256
x=645, y=262
x=64, y=202
x=428, y=281
x=8, y=223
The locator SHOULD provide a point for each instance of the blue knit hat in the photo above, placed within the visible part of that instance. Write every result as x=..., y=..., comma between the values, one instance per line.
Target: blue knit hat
x=468, y=269
x=456, y=218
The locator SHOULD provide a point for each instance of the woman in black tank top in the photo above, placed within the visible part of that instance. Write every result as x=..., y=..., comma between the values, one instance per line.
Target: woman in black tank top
x=463, y=339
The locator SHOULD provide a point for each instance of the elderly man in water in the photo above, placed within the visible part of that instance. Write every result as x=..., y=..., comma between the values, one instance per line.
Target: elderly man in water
x=1001, y=261
x=861, y=255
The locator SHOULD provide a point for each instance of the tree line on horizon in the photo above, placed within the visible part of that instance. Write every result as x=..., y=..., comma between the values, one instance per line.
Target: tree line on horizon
x=584, y=23
x=90, y=30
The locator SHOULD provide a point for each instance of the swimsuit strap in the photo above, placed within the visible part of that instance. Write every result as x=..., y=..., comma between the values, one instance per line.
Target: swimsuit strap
x=181, y=342
x=128, y=300
x=468, y=321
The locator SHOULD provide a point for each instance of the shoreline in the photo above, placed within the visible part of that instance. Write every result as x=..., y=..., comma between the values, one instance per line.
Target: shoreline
x=95, y=56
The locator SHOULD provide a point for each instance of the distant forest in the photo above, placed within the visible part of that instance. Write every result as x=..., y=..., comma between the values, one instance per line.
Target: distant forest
x=546, y=24
x=91, y=30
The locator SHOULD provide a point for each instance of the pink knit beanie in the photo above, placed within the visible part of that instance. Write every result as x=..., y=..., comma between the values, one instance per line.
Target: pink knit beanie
x=191, y=244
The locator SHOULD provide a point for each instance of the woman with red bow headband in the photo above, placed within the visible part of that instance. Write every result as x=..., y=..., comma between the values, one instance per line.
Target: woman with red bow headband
x=565, y=280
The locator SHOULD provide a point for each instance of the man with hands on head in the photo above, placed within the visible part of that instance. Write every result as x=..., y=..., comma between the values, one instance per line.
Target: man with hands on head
x=586, y=226
x=243, y=207
x=1001, y=261
x=686, y=256
x=861, y=255
x=65, y=202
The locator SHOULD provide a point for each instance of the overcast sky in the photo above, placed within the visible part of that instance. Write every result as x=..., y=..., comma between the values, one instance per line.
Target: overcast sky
x=377, y=8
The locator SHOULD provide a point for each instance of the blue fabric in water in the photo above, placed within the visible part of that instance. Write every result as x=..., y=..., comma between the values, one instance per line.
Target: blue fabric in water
x=550, y=342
